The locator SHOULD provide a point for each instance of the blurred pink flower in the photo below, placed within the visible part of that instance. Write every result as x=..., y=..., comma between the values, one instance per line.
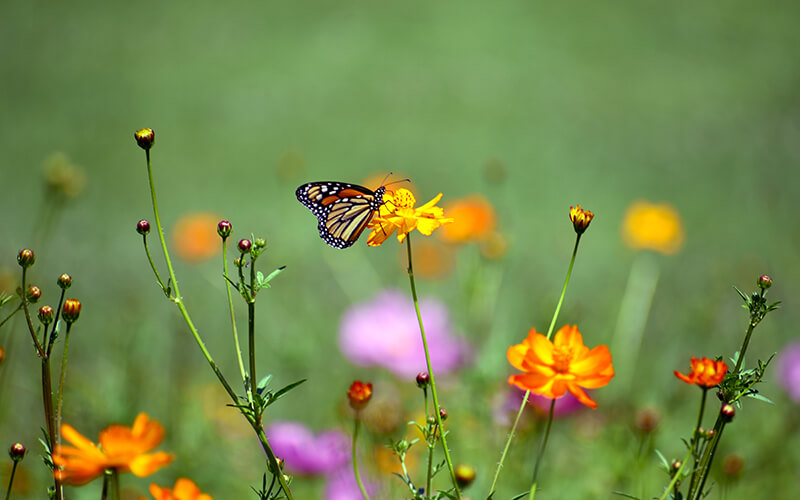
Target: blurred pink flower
x=341, y=485
x=385, y=332
x=788, y=367
x=307, y=453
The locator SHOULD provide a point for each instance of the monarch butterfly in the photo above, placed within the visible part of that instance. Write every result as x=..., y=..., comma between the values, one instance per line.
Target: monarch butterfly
x=343, y=210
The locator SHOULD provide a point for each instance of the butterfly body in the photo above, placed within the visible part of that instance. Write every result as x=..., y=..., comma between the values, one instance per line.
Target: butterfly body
x=343, y=210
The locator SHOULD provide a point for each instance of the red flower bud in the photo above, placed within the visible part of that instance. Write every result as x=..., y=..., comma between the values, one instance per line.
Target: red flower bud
x=71, y=310
x=244, y=245
x=65, y=281
x=359, y=394
x=26, y=258
x=33, y=294
x=224, y=229
x=764, y=282
x=145, y=138
x=423, y=380
x=143, y=227
x=17, y=452
x=46, y=314
x=727, y=412
x=442, y=414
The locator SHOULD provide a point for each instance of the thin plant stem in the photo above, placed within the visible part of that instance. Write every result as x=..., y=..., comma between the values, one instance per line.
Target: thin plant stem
x=60, y=396
x=436, y=407
x=233, y=318
x=564, y=290
x=39, y=348
x=431, y=442
x=695, y=437
x=15, y=311
x=527, y=393
x=51, y=338
x=750, y=327
x=676, y=477
x=356, y=427
x=11, y=479
x=104, y=492
x=153, y=266
x=177, y=299
x=508, y=443
x=542, y=447
x=705, y=465
x=115, y=483
x=251, y=324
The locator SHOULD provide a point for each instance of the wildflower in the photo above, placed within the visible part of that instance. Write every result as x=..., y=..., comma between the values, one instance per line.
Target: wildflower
x=244, y=245
x=195, y=237
x=398, y=212
x=653, y=226
x=788, y=369
x=307, y=453
x=423, y=380
x=26, y=257
x=565, y=364
x=46, y=314
x=474, y=219
x=184, y=489
x=341, y=485
x=385, y=332
x=705, y=372
x=580, y=218
x=122, y=448
x=33, y=294
x=224, y=229
x=359, y=394
x=727, y=412
x=17, y=452
x=64, y=281
x=465, y=475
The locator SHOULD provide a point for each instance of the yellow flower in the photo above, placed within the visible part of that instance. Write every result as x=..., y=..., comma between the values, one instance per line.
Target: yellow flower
x=195, y=237
x=122, y=448
x=398, y=213
x=184, y=489
x=653, y=226
x=580, y=218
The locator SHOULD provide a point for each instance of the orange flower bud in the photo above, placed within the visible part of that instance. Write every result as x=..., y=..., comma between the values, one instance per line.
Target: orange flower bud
x=26, y=257
x=359, y=394
x=46, y=314
x=705, y=372
x=580, y=218
x=64, y=281
x=33, y=294
x=71, y=310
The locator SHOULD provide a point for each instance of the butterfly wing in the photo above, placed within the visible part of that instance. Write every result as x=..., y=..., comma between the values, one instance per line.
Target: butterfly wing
x=343, y=210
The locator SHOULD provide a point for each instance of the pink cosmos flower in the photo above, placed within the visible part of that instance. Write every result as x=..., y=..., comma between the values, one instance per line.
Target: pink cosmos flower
x=307, y=453
x=384, y=332
x=788, y=368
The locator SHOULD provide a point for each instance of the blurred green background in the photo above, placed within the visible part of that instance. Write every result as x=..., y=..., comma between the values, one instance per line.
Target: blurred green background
x=597, y=103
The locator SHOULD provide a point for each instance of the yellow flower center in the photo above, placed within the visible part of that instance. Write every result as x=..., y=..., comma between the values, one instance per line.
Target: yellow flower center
x=561, y=360
x=404, y=199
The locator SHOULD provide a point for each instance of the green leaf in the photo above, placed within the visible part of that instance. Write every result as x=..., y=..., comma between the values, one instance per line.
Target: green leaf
x=626, y=495
x=744, y=297
x=286, y=389
x=759, y=397
x=263, y=383
x=664, y=461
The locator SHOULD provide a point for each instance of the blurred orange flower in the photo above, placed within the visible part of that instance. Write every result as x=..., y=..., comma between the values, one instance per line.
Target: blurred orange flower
x=474, y=218
x=359, y=394
x=653, y=226
x=565, y=364
x=195, y=237
x=580, y=218
x=122, y=448
x=184, y=489
x=398, y=212
x=705, y=372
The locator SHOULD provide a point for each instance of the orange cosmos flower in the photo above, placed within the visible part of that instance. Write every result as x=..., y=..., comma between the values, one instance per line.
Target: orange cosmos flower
x=398, y=212
x=122, y=448
x=474, y=218
x=184, y=489
x=195, y=237
x=565, y=364
x=705, y=372
x=653, y=226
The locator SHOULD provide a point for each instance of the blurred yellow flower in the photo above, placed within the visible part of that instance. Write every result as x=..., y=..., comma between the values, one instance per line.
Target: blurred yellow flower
x=398, y=212
x=62, y=177
x=432, y=258
x=653, y=226
x=474, y=218
x=195, y=237
x=184, y=489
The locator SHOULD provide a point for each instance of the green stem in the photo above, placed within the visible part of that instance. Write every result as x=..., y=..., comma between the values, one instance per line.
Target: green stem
x=50, y=339
x=708, y=458
x=542, y=447
x=47, y=398
x=750, y=327
x=104, y=492
x=24, y=302
x=153, y=266
x=60, y=396
x=436, y=407
x=15, y=311
x=508, y=443
x=676, y=477
x=564, y=290
x=233, y=319
x=527, y=393
x=11, y=479
x=431, y=442
x=115, y=484
x=695, y=438
x=177, y=299
x=355, y=460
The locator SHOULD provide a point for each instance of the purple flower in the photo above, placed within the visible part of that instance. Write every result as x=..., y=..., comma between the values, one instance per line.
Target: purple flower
x=306, y=453
x=342, y=485
x=788, y=367
x=385, y=332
